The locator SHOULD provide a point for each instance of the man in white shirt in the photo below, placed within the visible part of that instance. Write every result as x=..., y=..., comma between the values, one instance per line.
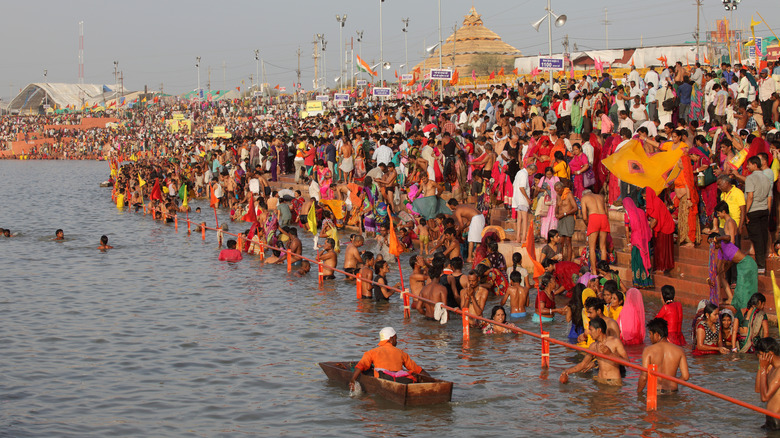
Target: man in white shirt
x=633, y=76
x=521, y=202
x=651, y=101
x=766, y=87
x=652, y=76
x=698, y=75
x=651, y=126
x=383, y=154
x=742, y=91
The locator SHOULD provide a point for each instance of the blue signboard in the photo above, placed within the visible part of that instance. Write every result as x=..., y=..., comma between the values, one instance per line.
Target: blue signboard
x=383, y=92
x=551, y=63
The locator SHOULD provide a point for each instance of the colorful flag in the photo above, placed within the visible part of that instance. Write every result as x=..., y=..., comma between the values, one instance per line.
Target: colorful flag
x=238, y=88
x=276, y=87
x=501, y=72
x=156, y=194
x=530, y=248
x=363, y=66
x=492, y=74
x=395, y=247
x=213, y=200
x=454, y=80
x=311, y=219
x=514, y=72
x=183, y=195
x=473, y=75
x=156, y=99
x=417, y=70
x=143, y=100
x=141, y=182
x=251, y=215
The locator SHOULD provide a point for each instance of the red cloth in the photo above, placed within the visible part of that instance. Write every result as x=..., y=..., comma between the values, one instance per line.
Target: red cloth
x=663, y=256
x=564, y=272
x=673, y=314
x=757, y=146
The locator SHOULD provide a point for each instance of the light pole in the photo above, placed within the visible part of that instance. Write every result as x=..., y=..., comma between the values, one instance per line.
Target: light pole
x=341, y=20
x=406, y=41
x=257, y=66
x=324, y=63
x=560, y=20
x=381, y=49
x=197, y=65
x=45, y=95
x=731, y=6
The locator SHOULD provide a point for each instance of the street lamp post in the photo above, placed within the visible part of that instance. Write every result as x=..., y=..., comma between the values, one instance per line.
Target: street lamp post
x=406, y=41
x=45, y=95
x=381, y=48
x=257, y=67
x=341, y=20
x=731, y=6
x=197, y=65
x=560, y=20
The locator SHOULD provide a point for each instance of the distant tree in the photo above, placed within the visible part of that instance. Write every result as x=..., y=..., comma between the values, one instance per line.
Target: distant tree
x=486, y=63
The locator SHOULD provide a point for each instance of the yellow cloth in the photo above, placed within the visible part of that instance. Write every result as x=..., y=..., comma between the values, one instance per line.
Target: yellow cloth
x=631, y=164
x=587, y=293
x=561, y=170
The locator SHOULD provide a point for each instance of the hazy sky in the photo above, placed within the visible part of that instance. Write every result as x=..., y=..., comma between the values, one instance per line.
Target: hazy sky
x=156, y=42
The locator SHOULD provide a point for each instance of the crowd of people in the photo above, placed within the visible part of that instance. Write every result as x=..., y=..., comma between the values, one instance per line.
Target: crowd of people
x=427, y=173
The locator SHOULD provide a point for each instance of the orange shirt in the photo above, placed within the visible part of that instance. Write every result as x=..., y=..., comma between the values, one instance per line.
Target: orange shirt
x=387, y=357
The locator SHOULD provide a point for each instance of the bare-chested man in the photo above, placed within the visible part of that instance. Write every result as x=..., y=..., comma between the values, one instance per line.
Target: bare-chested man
x=594, y=307
x=347, y=160
x=768, y=378
x=429, y=187
x=473, y=298
x=387, y=183
x=433, y=291
x=419, y=277
x=609, y=372
x=667, y=356
x=594, y=213
x=366, y=274
x=294, y=245
x=352, y=258
x=329, y=258
x=565, y=211
x=466, y=215
x=449, y=243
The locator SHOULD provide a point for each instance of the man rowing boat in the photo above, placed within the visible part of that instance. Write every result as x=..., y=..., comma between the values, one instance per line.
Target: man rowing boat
x=388, y=361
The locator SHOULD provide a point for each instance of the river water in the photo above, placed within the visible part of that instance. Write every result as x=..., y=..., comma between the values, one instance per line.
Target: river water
x=158, y=338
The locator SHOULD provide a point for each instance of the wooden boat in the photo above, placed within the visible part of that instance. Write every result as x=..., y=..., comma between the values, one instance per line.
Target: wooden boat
x=426, y=391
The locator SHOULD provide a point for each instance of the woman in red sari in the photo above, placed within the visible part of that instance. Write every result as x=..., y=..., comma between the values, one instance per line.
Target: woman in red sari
x=542, y=153
x=663, y=230
x=578, y=165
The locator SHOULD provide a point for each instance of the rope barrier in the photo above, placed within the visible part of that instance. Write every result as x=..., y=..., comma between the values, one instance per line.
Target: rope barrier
x=544, y=337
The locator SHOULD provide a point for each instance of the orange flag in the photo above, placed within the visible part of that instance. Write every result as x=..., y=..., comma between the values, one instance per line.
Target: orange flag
x=277, y=86
x=417, y=70
x=492, y=75
x=501, y=72
x=530, y=247
x=251, y=215
x=454, y=80
x=514, y=72
x=213, y=200
x=395, y=246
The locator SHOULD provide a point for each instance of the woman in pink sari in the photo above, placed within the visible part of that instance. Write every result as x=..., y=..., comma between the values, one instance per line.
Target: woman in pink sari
x=639, y=234
x=632, y=319
x=324, y=178
x=548, y=197
x=578, y=165
x=613, y=186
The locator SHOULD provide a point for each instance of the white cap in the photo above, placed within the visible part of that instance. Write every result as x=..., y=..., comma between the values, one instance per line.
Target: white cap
x=386, y=333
